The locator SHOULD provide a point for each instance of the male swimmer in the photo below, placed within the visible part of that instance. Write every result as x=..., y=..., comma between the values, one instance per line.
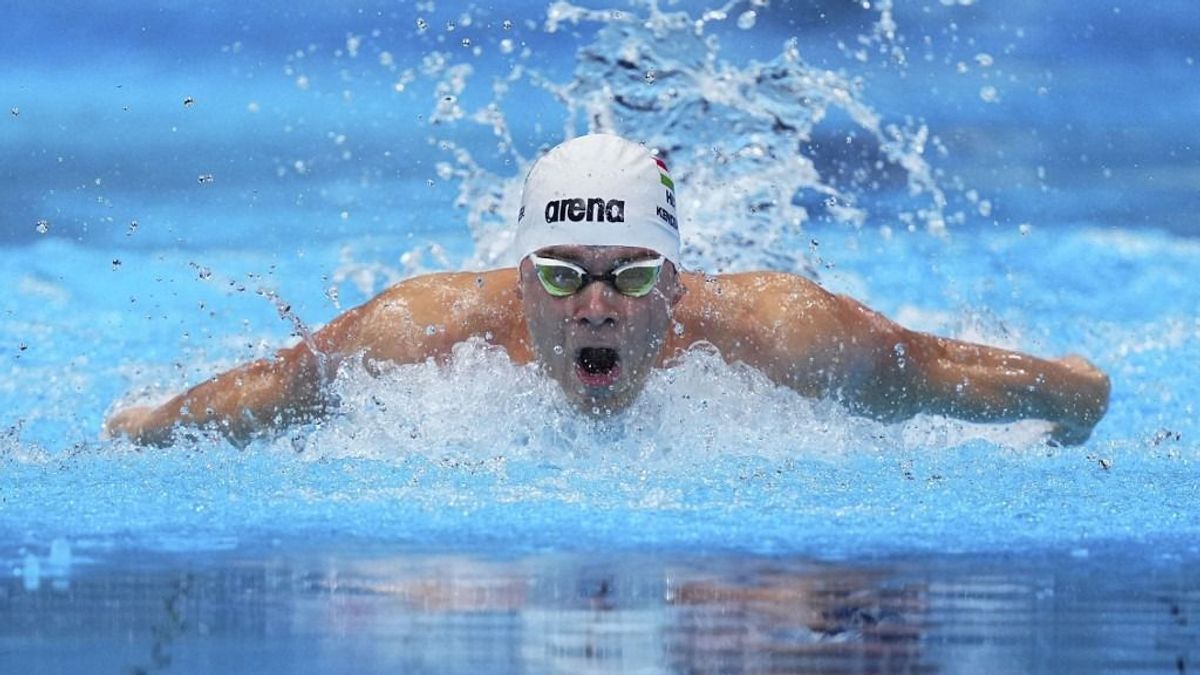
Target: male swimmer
x=599, y=300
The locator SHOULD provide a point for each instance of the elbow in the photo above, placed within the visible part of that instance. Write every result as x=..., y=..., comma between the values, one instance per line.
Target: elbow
x=893, y=385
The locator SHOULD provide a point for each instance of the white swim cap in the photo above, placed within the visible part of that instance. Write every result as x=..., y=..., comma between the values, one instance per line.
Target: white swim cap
x=598, y=190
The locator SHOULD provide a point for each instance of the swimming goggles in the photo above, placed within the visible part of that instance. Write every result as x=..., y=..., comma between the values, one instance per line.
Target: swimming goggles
x=561, y=278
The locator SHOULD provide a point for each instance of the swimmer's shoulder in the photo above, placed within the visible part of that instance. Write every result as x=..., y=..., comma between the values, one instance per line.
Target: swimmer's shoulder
x=426, y=315
x=458, y=302
x=747, y=310
x=749, y=289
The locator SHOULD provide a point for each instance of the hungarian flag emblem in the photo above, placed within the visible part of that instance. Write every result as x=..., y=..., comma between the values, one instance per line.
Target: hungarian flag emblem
x=666, y=180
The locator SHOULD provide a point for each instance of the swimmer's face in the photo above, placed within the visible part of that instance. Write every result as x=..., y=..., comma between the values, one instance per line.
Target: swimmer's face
x=598, y=343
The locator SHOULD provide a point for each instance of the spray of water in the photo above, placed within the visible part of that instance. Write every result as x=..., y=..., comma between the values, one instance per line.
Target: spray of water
x=733, y=133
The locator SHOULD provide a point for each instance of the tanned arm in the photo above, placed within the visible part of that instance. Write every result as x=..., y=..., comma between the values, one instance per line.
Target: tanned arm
x=823, y=344
x=413, y=321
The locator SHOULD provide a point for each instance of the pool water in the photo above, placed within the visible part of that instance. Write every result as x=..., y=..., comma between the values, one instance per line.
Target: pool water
x=187, y=188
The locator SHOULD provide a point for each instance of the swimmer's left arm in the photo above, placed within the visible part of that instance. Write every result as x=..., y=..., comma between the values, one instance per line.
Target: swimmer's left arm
x=987, y=384
x=838, y=347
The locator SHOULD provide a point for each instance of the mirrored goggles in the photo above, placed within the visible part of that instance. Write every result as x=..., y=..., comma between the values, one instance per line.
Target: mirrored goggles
x=561, y=278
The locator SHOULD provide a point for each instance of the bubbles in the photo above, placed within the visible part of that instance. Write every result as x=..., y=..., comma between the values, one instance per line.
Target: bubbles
x=42, y=226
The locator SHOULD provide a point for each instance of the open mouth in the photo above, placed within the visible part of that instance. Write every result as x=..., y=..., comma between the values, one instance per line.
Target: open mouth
x=598, y=366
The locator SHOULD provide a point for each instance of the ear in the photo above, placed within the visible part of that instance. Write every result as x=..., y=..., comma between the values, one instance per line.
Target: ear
x=678, y=290
x=521, y=280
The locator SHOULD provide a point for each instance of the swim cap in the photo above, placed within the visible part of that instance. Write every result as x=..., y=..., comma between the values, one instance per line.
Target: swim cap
x=598, y=190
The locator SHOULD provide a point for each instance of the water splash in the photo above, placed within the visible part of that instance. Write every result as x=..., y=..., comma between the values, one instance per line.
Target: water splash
x=735, y=135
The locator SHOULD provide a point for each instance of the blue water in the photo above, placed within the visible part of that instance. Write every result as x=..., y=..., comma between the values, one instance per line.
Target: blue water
x=1020, y=174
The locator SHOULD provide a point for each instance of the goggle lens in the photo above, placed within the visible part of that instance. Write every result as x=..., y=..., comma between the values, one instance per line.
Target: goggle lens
x=561, y=278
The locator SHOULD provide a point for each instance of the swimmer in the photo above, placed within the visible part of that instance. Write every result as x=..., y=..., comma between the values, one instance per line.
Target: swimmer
x=599, y=300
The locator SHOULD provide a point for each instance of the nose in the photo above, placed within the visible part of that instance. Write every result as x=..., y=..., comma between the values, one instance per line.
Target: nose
x=597, y=306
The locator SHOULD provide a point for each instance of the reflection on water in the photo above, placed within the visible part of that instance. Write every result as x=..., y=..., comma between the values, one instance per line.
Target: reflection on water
x=340, y=612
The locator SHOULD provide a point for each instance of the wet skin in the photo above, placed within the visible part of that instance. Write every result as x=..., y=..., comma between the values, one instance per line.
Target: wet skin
x=789, y=328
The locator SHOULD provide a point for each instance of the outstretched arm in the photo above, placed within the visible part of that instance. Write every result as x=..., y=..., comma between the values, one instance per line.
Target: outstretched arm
x=825, y=344
x=394, y=327
x=239, y=403
x=987, y=384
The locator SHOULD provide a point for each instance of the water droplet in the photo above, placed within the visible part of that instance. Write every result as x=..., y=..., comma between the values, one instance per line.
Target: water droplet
x=189, y=102
x=506, y=46
x=332, y=294
x=466, y=42
x=507, y=25
x=422, y=25
x=900, y=351
x=989, y=94
x=204, y=178
x=43, y=226
x=116, y=263
x=1024, y=229
x=430, y=329
x=984, y=60
x=450, y=26
x=747, y=19
x=558, y=349
x=16, y=112
x=479, y=282
x=677, y=328
x=649, y=77
x=133, y=226
x=345, y=215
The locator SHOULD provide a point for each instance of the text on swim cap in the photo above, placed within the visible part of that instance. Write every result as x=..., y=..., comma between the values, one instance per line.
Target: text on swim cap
x=594, y=209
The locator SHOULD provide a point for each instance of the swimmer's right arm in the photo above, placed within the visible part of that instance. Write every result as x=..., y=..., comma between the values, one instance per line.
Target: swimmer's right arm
x=291, y=388
x=239, y=403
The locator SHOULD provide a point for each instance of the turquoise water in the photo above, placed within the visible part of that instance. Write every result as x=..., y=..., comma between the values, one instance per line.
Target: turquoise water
x=188, y=188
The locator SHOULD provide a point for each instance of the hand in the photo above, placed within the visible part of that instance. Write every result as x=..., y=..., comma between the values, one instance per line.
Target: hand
x=1090, y=391
x=130, y=422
